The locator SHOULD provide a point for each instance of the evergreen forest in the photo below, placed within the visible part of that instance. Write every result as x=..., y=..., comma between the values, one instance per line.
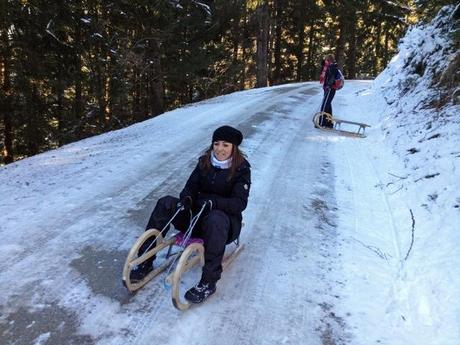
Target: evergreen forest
x=73, y=69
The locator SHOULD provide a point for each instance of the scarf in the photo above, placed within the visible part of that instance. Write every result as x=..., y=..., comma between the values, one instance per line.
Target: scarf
x=220, y=164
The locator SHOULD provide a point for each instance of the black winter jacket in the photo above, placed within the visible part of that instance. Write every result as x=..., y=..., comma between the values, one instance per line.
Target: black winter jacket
x=230, y=196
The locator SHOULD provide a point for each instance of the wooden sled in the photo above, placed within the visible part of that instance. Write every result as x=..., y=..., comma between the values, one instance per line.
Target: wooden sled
x=188, y=258
x=133, y=260
x=359, y=133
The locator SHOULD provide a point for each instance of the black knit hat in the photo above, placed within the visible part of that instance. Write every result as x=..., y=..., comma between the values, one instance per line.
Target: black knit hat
x=228, y=134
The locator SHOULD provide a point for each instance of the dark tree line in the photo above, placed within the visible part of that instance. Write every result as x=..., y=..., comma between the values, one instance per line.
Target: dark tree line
x=72, y=69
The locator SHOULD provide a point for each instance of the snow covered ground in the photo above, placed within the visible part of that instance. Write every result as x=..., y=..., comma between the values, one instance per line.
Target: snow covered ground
x=328, y=232
x=348, y=241
x=410, y=231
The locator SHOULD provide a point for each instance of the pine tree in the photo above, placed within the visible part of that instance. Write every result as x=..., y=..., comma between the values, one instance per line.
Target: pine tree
x=80, y=68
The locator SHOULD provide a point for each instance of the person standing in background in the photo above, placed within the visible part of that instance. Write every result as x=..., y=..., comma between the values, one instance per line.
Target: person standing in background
x=328, y=79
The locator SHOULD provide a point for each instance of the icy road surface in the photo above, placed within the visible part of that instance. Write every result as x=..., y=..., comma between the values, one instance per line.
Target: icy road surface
x=68, y=218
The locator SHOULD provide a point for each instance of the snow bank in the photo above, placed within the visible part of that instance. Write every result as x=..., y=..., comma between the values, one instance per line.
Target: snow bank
x=420, y=122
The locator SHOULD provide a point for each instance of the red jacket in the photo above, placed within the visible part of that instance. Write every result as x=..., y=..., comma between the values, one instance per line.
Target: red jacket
x=323, y=72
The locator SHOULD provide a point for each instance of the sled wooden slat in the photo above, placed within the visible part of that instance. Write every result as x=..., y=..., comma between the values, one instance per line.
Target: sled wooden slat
x=136, y=286
x=362, y=126
x=360, y=133
x=196, y=260
x=132, y=260
x=184, y=265
x=151, y=253
x=193, y=255
x=229, y=258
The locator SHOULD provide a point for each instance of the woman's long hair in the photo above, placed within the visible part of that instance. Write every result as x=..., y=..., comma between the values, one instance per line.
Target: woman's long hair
x=238, y=157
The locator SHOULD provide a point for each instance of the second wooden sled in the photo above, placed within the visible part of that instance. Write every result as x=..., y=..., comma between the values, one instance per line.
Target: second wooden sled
x=337, y=124
x=187, y=257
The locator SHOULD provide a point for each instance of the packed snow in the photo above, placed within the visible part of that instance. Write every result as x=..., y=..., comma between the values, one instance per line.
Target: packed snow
x=347, y=240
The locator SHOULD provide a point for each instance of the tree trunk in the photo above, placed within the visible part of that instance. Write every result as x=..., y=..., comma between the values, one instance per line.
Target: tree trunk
x=235, y=43
x=310, y=63
x=271, y=50
x=98, y=67
x=345, y=12
x=351, y=56
x=278, y=32
x=5, y=102
x=245, y=47
x=78, y=101
x=236, y=39
x=32, y=126
x=113, y=97
x=262, y=46
x=340, y=49
x=386, y=47
x=301, y=38
x=136, y=95
x=8, y=137
x=378, y=50
x=60, y=111
x=99, y=88
x=156, y=95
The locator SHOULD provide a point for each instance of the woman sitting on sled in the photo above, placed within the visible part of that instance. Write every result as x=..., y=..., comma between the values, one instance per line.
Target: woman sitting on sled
x=221, y=181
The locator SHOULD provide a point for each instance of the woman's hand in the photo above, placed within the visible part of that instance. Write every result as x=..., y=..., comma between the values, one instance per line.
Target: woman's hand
x=185, y=203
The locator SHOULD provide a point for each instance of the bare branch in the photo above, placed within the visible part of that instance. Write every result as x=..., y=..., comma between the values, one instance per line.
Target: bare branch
x=413, y=235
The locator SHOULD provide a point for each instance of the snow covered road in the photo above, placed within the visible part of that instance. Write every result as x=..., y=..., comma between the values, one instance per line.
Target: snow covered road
x=348, y=241
x=69, y=217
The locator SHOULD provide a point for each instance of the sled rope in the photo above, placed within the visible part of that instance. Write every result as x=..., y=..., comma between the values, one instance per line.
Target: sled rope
x=165, y=227
x=183, y=244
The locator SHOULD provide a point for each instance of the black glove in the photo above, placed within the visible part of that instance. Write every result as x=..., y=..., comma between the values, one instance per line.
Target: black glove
x=185, y=203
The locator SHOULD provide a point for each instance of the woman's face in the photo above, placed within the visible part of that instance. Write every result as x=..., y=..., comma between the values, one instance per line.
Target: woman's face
x=222, y=150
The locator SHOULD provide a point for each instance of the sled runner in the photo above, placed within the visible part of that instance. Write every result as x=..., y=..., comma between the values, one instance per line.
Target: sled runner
x=189, y=253
x=337, y=125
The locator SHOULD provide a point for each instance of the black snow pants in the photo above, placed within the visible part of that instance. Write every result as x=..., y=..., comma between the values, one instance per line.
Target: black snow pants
x=213, y=227
x=327, y=106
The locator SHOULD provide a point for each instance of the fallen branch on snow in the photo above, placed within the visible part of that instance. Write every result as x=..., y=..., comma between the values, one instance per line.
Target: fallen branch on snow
x=374, y=249
x=413, y=235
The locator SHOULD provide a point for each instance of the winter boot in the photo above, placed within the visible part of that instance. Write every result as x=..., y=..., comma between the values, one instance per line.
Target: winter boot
x=200, y=292
x=141, y=271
